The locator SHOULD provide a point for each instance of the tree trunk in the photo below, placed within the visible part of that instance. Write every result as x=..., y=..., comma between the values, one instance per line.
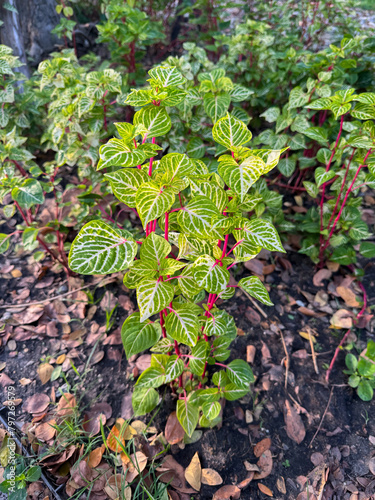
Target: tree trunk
x=29, y=31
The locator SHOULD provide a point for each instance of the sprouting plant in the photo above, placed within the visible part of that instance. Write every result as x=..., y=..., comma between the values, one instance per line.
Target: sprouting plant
x=180, y=203
x=361, y=372
x=17, y=474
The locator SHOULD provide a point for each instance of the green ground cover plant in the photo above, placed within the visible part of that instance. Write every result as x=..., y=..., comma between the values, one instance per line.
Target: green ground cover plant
x=180, y=203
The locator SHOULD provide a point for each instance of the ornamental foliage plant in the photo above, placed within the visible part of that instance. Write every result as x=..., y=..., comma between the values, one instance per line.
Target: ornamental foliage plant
x=361, y=372
x=195, y=230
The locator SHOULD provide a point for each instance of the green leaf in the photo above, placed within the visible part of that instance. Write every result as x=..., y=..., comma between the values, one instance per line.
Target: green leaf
x=182, y=323
x=351, y=362
x=118, y=153
x=176, y=165
x=323, y=155
x=240, y=373
x=195, y=148
x=240, y=177
x=155, y=248
x=136, y=336
x=216, y=105
x=365, y=391
x=151, y=377
x=199, y=356
x=240, y=93
x=320, y=104
x=138, y=97
x=187, y=283
x=167, y=76
x=340, y=109
x=254, y=287
x=363, y=111
x=152, y=201
x=271, y=114
x=196, y=218
x=233, y=392
x=210, y=275
x=311, y=188
x=30, y=193
x=216, y=325
x=354, y=380
x=144, y=400
x=125, y=183
x=29, y=236
x=187, y=415
x=321, y=176
x=317, y=133
x=33, y=474
x=367, y=249
x=262, y=233
x=101, y=249
x=287, y=166
x=297, y=98
x=155, y=119
x=4, y=242
x=153, y=296
x=174, y=368
x=231, y=132
x=211, y=409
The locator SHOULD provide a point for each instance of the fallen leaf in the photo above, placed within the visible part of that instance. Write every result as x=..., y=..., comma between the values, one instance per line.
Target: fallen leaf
x=98, y=356
x=95, y=457
x=310, y=312
x=174, y=432
x=32, y=314
x=245, y=483
x=16, y=273
x=139, y=426
x=342, y=319
x=371, y=465
x=135, y=465
x=36, y=403
x=348, y=296
x=46, y=431
x=228, y=492
x=280, y=484
x=306, y=336
x=322, y=274
x=25, y=381
x=250, y=354
x=45, y=371
x=264, y=489
x=211, y=477
x=60, y=360
x=12, y=402
x=66, y=405
x=193, y=473
x=294, y=425
x=262, y=446
x=251, y=467
x=120, y=432
x=265, y=464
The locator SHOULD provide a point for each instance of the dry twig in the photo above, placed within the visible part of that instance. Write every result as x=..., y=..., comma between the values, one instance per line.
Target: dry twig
x=323, y=417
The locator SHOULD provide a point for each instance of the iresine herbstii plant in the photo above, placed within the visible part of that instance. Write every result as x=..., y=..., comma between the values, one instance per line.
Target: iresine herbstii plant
x=181, y=203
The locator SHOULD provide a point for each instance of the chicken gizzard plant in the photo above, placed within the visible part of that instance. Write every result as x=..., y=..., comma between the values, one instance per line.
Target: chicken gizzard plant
x=183, y=206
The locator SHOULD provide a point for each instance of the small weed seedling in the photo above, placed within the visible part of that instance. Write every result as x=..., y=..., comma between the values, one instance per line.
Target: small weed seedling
x=361, y=372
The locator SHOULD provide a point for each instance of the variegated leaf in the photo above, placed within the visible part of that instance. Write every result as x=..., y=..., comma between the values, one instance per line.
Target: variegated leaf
x=211, y=409
x=187, y=283
x=155, y=119
x=210, y=275
x=176, y=165
x=254, y=287
x=173, y=369
x=151, y=377
x=240, y=373
x=101, y=249
x=153, y=296
x=231, y=132
x=199, y=356
x=144, y=400
x=136, y=336
x=117, y=153
x=182, y=323
x=152, y=201
x=167, y=76
x=188, y=415
x=240, y=177
x=215, y=193
x=262, y=233
x=196, y=218
x=232, y=392
x=155, y=248
x=216, y=105
x=215, y=325
x=125, y=183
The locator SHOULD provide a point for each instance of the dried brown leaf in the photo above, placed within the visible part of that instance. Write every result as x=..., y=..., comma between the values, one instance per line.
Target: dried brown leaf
x=174, y=432
x=322, y=274
x=36, y=403
x=228, y=492
x=280, y=484
x=211, y=477
x=46, y=431
x=193, y=473
x=348, y=296
x=95, y=457
x=265, y=464
x=262, y=446
x=45, y=371
x=294, y=425
x=342, y=319
x=265, y=490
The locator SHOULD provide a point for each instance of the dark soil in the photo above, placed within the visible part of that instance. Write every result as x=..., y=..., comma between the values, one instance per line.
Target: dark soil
x=345, y=439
